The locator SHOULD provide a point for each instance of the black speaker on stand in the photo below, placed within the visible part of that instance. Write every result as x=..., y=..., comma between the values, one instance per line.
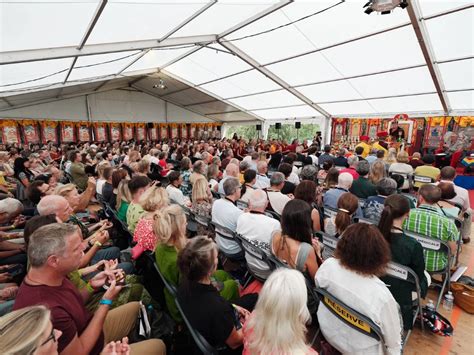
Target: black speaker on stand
x=278, y=127
x=297, y=126
x=258, y=128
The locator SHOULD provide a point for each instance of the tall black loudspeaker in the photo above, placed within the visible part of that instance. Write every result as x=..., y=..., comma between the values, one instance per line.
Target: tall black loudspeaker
x=259, y=127
x=219, y=128
x=150, y=124
x=297, y=125
x=277, y=125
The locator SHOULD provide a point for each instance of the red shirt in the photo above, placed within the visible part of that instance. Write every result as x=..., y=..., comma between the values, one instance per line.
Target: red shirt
x=68, y=313
x=351, y=171
x=164, y=167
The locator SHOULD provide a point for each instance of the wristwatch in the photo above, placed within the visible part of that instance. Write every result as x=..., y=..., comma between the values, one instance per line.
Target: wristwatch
x=105, y=301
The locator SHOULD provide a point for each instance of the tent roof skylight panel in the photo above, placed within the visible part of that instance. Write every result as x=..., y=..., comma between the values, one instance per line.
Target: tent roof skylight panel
x=35, y=24
x=458, y=75
x=306, y=69
x=415, y=103
x=348, y=108
x=207, y=64
x=156, y=58
x=334, y=91
x=393, y=49
x=417, y=80
x=100, y=65
x=222, y=16
x=452, y=36
x=287, y=112
x=137, y=19
x=268, y=100
x=462, y=100
x=437, y=6
x=241, y=84
x=25, y=72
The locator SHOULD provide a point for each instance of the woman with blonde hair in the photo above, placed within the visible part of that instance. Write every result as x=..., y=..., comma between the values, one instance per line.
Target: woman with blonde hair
x=143, y=167
x=391, y=156
x=152, y=200
x=402, y=168
x=278, y=323
x=201, y=202
x=124, y=198
x=377, y=172
x=30, y=331
x=170, y=228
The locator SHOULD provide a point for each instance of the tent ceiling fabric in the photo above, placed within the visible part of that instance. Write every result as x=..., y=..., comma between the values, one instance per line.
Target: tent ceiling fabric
x=237, y=60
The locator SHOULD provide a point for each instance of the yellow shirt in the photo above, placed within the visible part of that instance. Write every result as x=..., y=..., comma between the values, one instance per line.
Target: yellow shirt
x=366, y=147
x=377, y=146
x=426, y=170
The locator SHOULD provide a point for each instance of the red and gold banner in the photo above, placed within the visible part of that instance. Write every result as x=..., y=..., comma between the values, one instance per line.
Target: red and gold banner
x=100, y=131
x=154, y=132
x=115, y=133
x=84, y=131
x=10, y=132
x=67, y=132
x=141, y=131
x=464, y=121
x=127, y=131
x=184, y=131
x=163, y=131
x=174, y=131
x=30, y=131
x=49, y=131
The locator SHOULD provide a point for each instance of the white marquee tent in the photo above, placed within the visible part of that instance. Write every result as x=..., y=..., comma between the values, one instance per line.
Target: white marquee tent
x=233, y=60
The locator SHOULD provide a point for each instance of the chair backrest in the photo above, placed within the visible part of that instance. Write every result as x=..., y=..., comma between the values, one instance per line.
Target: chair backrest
x=202, y=220
x=200, y=341
x=362, y=202
x=433, y=244
x=349, y=316
x=329, y=212
x=215, y=194
x=223, y=232
x=411, y=197
x=329, y=242
x=423, y=179
x=364, y=220
x=272, y=214
x=241, y=204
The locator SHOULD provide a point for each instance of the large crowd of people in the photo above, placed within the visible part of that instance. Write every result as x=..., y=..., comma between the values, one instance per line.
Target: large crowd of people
x=77, y=222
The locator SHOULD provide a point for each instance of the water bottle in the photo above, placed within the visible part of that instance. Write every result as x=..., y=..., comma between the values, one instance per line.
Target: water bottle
x=448, y=301
x=430, y=306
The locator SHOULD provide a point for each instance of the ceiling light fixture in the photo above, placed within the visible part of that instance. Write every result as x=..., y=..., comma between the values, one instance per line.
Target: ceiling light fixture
x=384, y=6
x=161, y=85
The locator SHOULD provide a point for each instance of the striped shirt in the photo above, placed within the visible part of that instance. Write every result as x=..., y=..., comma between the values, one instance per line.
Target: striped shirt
x=429, y=221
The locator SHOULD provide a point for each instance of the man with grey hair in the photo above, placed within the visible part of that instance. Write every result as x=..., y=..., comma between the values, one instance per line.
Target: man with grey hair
x=344, y=183
x=352, y=161
x=276, y=199
x=54, y=251
x=10, y=209
x=374, y=205
x=57, y=205
x=257, y=228
x=226, y=213
x=372, y=156
x=231, y=170
x=363, y=187
x=262, y=181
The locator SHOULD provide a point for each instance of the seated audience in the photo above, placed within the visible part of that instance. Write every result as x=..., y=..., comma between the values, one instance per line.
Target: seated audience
x=352, y=161
x=36, y=190
x=278, y=323
x=374, y=205
x=341, y=161
x=213, y=176
x=415, y=160
x=262, y=181
x=288, y=187
x=215, y=318
x=402, y=168
x=295, y=245
x=108, y=188
x=77, y=170
x=152, y=200
x=306, y=191
x=250, y=177
x=372, y=157
x=347, y=205
x=377, y=171
x=226, y=213
x=322, y=173
x=186, y=171
x=326, y=156
x=361, y=256
x=331, y=197
x=427, y=169
x=124, y=198
x=363, y=187
x=201, y=203
x=427, y=219
x=447, y=194
x=232, y=170
x=199, y=172
x=277, y=200
x=257, y=228
x=405, y=251
x=174, y=191
x=54, y=251
x=137, y=186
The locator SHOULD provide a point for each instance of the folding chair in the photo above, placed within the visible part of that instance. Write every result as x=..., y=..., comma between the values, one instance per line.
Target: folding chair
x=117, y=222
x=171, y=288
x=329, y=212
x=407, y=177
x=202, y=344
x=362, y=202
x=411, y=197
x=433, y=244
x=272, y=214
x=241, y=204
x=364, y=220
x=216, y=195
x=349, y=316
x=329, y=242
x=404, y=273
x=422, y=179
x=226, y=234
x=257, y=253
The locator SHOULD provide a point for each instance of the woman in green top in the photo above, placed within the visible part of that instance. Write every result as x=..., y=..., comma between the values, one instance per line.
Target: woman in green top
x=170, y=229
x=405, y=251
x=123, y=200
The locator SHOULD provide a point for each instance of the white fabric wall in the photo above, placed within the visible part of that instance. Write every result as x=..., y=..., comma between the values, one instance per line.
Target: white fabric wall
x=115, y=105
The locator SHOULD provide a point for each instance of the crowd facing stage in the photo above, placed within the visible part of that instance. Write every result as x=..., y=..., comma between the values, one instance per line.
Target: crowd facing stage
x=247, y=243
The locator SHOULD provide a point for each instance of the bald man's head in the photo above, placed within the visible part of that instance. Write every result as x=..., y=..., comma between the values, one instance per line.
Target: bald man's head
x=55, y=204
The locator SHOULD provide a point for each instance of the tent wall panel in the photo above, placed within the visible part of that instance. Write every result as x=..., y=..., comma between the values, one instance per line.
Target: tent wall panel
x=74, y=109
